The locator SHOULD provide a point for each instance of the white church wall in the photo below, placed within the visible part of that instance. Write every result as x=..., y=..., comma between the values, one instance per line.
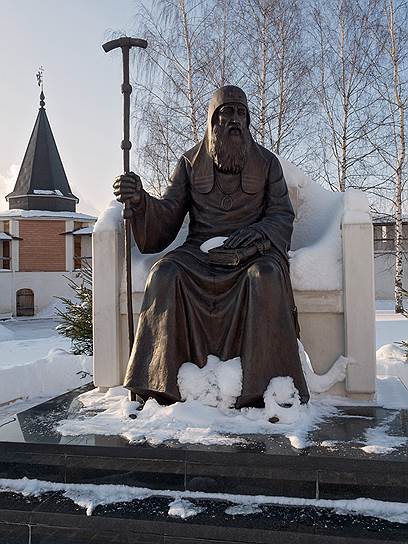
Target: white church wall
x=6, y=282
x=45, y=286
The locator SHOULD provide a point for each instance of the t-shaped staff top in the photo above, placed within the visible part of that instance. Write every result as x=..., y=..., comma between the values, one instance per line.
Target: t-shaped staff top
x=125, y=43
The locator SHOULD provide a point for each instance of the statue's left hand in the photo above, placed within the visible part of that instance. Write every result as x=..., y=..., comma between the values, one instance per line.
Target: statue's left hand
x=242, y=238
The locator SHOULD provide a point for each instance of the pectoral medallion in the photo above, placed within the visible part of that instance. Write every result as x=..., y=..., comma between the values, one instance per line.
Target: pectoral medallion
x=226, y=203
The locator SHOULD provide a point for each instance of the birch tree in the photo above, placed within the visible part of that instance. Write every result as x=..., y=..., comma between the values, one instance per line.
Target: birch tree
x=172, y=84
x=223, y=46
x=275, y=69
x=346, y=53
x=392, y=86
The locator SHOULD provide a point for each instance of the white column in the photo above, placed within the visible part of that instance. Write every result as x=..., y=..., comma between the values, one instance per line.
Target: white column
x=359, y=302
x=107, y=269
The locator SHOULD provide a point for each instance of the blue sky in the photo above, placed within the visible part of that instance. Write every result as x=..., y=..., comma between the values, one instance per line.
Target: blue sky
x=82, y=88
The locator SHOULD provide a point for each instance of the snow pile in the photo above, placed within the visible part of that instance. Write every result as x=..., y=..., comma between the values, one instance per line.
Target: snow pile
x=218, y=383
x=392, y=357
x=110, y=219
x=58, y=372
x=207, y=416
x=392, y=361
x=212, y=243
x=320, y=383
x=391, y=394
x=392, y=352
x=181, y=508
x=378, y=440
x=317, y=264
x=316, y=256
x=187, y=422
x=282, y=400
x=90, y=496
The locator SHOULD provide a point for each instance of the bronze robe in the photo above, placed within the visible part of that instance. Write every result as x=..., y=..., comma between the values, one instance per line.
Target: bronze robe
x=191, y=308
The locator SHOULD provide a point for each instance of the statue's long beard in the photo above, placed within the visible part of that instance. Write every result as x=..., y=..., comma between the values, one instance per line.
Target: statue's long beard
x=228, y=150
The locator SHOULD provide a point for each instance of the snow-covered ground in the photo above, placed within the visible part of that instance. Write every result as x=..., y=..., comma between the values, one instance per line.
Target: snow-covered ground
x=36, y=364
x=23, y=341
x=391, y=330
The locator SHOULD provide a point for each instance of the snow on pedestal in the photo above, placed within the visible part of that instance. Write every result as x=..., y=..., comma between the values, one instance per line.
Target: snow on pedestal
x=206, y=415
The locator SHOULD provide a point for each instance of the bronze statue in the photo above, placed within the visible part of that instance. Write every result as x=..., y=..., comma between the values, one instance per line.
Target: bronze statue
x=235, y=300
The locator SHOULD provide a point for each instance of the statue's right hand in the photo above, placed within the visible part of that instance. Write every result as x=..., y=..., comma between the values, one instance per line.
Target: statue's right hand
x=128, y=188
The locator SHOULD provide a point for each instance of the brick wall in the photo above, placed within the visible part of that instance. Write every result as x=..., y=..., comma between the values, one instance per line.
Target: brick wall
x=42, y=248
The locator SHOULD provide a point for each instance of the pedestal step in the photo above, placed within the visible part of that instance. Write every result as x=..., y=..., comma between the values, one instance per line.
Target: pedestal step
x=54, y=519
x=31, y=447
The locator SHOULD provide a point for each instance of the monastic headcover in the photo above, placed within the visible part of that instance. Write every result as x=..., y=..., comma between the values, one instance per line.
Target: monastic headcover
x=255, y=171
x=225, y=95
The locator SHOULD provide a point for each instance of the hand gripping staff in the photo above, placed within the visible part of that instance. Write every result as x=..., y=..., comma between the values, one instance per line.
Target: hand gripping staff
x=125, y=44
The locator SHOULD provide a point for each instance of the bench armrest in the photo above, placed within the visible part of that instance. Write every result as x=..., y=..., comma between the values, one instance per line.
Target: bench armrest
x=108, y=262
x=359, y=293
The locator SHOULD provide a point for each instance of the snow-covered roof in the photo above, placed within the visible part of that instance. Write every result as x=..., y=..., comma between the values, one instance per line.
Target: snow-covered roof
x=47, y=192
x=4, y=236
x=84, y=230
x=31, y=214
x=387, y=219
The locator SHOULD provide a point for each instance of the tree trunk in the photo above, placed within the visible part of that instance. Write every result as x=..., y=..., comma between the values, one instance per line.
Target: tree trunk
x=189, y=51
x=262, y=82
x=400, y=158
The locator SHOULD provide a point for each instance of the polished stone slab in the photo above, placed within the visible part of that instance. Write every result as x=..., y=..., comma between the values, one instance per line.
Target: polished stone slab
x=57, y=519
x=30, y=446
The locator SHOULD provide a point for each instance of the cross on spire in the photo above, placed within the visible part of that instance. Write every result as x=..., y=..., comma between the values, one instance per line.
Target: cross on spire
x=40, y=82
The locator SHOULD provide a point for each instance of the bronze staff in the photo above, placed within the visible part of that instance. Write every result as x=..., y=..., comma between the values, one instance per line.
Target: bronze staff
x=125, y=44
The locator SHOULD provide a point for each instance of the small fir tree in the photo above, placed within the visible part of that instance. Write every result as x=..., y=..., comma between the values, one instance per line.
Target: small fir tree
x=76, y=317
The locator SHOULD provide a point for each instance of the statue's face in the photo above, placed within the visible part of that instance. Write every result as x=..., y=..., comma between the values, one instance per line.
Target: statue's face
x=233, y=116
x=230, y=137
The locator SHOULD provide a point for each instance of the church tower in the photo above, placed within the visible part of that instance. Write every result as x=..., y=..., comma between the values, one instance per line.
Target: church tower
x=42, y=183
x=43, y=239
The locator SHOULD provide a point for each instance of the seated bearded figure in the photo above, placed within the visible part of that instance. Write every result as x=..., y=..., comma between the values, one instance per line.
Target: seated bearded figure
x=236, y=300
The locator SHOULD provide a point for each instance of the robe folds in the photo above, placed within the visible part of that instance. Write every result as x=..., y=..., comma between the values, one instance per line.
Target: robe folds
x=192, y=308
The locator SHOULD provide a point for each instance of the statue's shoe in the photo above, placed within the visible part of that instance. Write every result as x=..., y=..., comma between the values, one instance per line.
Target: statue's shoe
x=134, y=413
